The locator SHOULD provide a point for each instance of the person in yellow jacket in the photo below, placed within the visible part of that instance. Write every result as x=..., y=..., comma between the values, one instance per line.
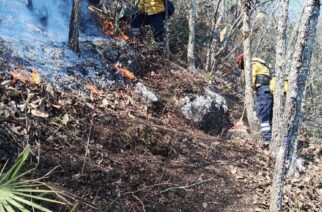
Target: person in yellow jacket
x=261, y=76
x=151, y=12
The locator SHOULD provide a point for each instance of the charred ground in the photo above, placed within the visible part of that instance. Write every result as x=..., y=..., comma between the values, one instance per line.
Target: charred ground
x=113, y=154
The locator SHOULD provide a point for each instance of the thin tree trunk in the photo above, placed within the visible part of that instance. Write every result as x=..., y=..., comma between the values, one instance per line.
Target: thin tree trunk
x=73, y=38
x=280, y=70
x=308, y=51
x=30, y=4
x=295, y=94
x=191, y=44
x=214, y=38
x=249, y=99
x=167, y=38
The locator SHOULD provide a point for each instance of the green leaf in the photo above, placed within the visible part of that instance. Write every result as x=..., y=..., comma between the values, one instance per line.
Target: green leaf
x=8, y=207
x=17, y=166
x=15, y=193
x=37, y=197
x=1, y=208
x=31, y=204
x=17, y=205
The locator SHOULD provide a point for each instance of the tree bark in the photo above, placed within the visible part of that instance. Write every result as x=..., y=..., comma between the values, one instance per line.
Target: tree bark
x=302, y=80
x=191, y=44
x=166, y=37
x=214, y=37
x=73, y=38
x=249, y=99
x=280, y=70
x=297, y=81
x=30, y=5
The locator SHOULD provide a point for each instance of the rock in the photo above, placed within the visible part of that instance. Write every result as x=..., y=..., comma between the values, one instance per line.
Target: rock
x=209, y=111
x=147, y=97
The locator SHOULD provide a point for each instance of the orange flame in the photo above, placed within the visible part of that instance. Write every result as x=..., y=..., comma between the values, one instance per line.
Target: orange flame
x=27, y=78
x=109, y=29
x=93, y=89
x=125, y=73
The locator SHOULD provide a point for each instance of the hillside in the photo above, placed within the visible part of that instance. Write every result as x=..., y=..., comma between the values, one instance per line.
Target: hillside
x=118, y=126
x=110, y=153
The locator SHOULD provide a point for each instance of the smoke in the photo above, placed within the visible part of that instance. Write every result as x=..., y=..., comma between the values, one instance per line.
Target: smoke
x=47, y=20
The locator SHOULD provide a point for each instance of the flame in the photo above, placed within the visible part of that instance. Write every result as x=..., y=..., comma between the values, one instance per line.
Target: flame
x=27, y=78
x=122, y=36
x=93, y=89
x=109, y=29
x=125, y=73
x=35, y=77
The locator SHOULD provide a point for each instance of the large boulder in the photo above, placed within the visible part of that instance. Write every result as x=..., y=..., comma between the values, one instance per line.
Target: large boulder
x=208, y=111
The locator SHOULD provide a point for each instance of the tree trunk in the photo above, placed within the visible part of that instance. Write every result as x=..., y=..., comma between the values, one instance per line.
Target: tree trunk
x=167, y=37
x=295, y=94
x=280, y=70
x=249, y=99
x=303, y=74
x=191, y=44
x=30, y=5
x=214, y=37
x=73, y=38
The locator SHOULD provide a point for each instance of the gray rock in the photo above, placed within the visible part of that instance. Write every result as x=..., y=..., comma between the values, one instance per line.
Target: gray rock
x=145, y=96
x=209, y=111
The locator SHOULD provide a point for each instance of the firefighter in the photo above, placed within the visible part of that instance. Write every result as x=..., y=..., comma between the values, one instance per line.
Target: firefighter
x=264, y=99
x=151, y=12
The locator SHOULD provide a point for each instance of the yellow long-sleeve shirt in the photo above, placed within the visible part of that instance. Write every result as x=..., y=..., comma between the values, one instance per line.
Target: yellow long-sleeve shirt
x=259, y=67
x=151, y=7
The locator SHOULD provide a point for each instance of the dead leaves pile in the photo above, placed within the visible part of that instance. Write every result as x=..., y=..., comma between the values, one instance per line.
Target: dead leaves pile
x=40, y=111
x=302, y=191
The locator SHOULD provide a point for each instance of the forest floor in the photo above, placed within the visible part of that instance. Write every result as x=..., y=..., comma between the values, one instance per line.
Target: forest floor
x=109, y=153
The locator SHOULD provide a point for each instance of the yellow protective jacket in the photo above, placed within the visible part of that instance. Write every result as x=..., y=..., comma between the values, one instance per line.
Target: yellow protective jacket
x=150, y=7
x=259, y=67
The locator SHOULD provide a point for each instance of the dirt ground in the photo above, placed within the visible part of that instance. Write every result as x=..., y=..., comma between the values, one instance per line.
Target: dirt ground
x=109, y=153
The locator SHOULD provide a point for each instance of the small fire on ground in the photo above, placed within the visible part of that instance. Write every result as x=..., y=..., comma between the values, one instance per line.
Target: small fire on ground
x=109, y=29
x=26, y=77
x=125, y=73
x=93, y=89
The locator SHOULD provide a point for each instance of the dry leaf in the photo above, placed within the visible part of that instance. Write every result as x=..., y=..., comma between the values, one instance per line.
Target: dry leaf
x=50, y=90
x=65, y=119
x=5, y=83
x=105, y=103
x=39, y=113
x=11, y=92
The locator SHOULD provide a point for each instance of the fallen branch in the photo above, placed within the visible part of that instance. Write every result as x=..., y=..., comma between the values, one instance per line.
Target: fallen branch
x=143, y=207
x=187, y=186
x=87, y=145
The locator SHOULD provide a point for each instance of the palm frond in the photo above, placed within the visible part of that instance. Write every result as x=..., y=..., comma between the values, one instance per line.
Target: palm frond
x=19, y=195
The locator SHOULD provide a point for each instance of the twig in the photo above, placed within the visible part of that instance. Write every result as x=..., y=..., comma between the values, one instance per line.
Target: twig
x=141, y=189
x=143, y=207
x=87, y=145
x=187, y=186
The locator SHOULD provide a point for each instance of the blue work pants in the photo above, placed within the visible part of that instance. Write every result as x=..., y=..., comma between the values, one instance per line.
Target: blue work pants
x=264, y=111
x=156, y=21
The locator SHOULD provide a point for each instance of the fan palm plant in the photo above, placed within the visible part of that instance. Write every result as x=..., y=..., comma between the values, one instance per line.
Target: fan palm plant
x=19, y=194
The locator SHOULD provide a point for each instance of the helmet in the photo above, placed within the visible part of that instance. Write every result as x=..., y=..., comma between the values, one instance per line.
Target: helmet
x=240, y=58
